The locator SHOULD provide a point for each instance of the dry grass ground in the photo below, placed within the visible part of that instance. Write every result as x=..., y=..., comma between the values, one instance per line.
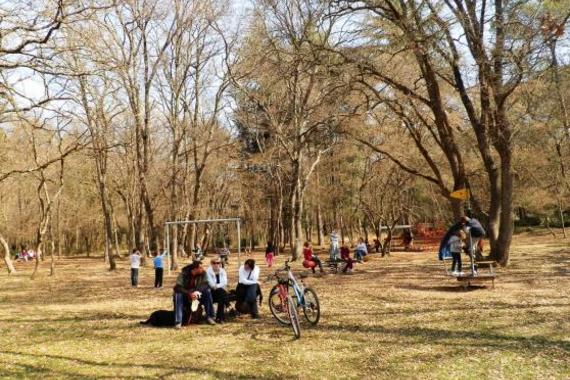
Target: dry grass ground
x=396, y=317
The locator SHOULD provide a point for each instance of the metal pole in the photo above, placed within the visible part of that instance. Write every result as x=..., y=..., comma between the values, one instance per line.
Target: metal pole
x=471, y=253
x=167, y=234
x=239, y=242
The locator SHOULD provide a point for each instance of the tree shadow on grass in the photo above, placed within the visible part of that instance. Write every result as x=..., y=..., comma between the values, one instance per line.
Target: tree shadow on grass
x=171, y=370
x=443, y=288
x=463, y=338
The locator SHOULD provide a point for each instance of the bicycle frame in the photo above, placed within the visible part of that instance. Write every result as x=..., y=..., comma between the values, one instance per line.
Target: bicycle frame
x=298, y=288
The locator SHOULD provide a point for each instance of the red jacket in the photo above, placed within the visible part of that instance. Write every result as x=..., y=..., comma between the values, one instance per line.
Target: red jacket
x=344, y=253
x=308, y=253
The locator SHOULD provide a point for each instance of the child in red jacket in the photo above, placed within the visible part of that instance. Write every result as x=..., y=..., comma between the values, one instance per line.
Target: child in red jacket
x=309, y=256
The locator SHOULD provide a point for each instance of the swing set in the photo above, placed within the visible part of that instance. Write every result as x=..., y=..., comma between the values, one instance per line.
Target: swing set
x=224, y=252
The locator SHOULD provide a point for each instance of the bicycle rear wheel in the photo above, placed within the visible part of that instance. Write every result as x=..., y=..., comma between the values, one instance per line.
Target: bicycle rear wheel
x=294, y=317
x=278, y=307
x=311, y=306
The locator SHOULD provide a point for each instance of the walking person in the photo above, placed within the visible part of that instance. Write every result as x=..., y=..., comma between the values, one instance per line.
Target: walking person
x=269, y=254
x=135, y=258
x=158, y=269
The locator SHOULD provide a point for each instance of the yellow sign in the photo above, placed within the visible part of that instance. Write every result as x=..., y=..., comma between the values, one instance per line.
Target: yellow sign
x=462, y=194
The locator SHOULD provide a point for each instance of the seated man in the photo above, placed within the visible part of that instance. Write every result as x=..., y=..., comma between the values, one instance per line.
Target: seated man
x=345, y=256
x=192, y=284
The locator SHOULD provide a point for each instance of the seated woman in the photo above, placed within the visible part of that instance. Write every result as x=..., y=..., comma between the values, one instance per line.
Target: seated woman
x=247, y=286
x=218, y=280
x=311, y=260
x=361, y=250
x=192, y=284
x=345, y=256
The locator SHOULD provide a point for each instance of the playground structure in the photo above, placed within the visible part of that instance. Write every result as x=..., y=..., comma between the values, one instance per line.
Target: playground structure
x=167, y=225
x=426, y=237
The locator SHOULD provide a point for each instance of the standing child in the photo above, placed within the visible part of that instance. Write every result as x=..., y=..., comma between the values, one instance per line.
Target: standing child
x=269, y=254
x=135, y=258
x=455, y=246
x=158, y=269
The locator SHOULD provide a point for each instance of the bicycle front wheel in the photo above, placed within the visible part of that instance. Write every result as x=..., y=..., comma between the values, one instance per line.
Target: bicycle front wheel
x=278, y=306
x=311, y=306
x=294, y=317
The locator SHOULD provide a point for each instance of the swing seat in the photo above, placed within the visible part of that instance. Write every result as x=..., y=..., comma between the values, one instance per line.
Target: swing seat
x=309, y=264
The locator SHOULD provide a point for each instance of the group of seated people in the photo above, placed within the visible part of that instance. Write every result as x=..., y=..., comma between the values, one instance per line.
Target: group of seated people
x=312, y=261
x=25, y=255
x=197, y=286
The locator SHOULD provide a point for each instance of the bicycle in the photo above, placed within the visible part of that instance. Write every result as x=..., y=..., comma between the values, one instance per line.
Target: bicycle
x=283, y=303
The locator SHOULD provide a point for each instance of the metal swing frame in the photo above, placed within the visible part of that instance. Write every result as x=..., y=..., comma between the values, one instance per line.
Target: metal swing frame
x=196, y=222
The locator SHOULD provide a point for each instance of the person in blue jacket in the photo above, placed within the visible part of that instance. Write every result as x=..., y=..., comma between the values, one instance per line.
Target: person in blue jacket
x=471, y=226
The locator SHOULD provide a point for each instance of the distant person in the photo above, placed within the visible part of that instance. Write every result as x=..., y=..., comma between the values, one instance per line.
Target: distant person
x=158, y=269
x=345, y=256
x=334, y=246
x=475, y=231
x=247, y=286
x=407, y=238
x=197, y=253
x=218, y=280
x=361, y=250
x=311, y=257
x=224, y=256
x=269, y=254
x=377, y=245
x=135, y=259
x=456, y=243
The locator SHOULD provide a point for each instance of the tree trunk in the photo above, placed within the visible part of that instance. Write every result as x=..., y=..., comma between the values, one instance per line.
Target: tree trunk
x=7, y=258
x=561, y=213
x=320, y=234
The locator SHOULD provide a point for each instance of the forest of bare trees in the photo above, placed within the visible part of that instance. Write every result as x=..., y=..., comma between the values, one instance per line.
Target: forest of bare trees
x=298, y=116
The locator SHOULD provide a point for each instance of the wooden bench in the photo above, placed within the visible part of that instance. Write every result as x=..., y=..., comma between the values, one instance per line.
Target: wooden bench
x=487, y=264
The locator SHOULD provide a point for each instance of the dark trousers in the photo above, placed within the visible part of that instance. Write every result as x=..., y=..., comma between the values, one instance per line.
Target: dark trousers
x=251, y=298
x=206, y=300
x=179, y=300
x=318, y=262
x=134, y=276
x=158, y=277
x=220, y=296
x=348, y=265
x=456, y=261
